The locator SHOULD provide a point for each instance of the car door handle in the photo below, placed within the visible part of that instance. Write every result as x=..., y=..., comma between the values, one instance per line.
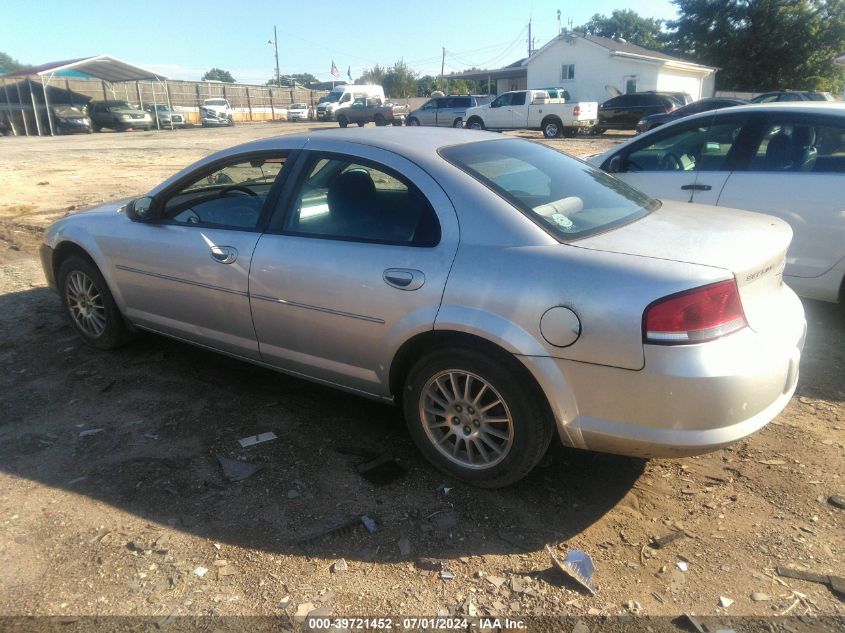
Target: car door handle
x=404, y=278
x=696, y=187
x=224, y=254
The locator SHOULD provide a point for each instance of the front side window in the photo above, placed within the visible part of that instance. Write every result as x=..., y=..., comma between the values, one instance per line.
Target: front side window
x=568, y=198
x=341, y=198
x=504, y=100
x=230, y=197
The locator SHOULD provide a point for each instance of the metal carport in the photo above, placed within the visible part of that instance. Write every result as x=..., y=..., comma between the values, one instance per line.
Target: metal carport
x=103, y=67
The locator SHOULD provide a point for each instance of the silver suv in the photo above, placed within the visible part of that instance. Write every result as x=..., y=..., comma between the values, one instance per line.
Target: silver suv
x=445, y=111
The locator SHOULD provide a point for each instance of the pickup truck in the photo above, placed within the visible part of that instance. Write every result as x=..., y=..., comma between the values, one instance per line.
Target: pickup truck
x=364, y=111
x=533, y=110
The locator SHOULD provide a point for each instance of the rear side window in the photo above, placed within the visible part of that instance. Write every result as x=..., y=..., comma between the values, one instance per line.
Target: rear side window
x=348, y=200
x=814, y=145
x=518, y=98
x=568, y=198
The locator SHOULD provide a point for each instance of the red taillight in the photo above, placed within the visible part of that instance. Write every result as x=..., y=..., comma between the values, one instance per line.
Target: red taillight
x=695, y=316
x=576, y=111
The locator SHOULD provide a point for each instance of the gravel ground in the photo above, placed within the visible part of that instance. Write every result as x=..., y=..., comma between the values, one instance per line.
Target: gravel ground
x=113, y=500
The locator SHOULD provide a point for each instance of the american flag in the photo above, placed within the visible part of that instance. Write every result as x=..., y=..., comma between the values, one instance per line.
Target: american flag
x=335, y=71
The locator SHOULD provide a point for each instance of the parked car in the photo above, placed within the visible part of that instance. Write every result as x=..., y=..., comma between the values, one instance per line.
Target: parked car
x=165, y=115
x=566, y=302
x=217, y=111
x=445, y=111
x=625, y=111
x=792, y=95
x=364, y=111
x=299, y=112
x=532, y=110
x=702, y=105
x=68, y=119
x=342, y=97
x=786, y=160
x=118, y=116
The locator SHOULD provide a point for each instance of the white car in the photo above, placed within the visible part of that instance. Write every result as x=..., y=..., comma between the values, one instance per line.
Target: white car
x=299, y=112
x=786, y=160
x=217, y=111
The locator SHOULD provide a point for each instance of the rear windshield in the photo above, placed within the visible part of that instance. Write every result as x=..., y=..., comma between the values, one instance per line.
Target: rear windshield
x=220, y=102
x=568, y=198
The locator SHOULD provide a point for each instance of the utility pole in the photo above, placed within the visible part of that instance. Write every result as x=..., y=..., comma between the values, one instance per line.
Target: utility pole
x=442, y=66
x=530, y=41
x=275, y=44
x=559, y=28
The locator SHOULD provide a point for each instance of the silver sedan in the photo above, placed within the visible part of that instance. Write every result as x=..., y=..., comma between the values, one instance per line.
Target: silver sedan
x=497, y=290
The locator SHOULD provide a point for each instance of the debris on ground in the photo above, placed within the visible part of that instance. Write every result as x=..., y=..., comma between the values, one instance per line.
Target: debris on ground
x=446, y=575
x=578, y=566
x=236, y=470
x=345, y=527
x=382, y=470
x=293, y=493
x=430, y=564
x=683, y=566
x=759, y=596
x=89, y=432
x=200, y=571
x=339, y=566
x=836, y=583
x=837, y=501
x=663, y=541
x=725, y=602
x=369, y=523
x=257, y=439
x=404, y=546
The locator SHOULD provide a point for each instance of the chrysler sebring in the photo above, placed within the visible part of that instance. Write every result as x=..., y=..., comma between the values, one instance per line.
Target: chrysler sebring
x=497, y=290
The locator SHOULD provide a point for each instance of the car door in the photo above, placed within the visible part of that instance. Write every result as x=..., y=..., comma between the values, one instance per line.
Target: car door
x=446, y=111
x=427, y=114
x=797, y=173
x=519, y=109
x=499, y=115
x=608, y=111
x=355, y=262
x=186, y=274
x=688, y=161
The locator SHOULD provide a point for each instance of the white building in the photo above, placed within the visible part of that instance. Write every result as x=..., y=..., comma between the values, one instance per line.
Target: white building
x=591, y=67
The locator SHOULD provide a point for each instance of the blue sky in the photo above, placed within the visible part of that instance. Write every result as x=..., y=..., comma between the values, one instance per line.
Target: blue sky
x=184, y=38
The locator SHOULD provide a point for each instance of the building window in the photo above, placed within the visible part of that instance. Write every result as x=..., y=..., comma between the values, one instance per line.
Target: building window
x=630, y=84
x=567, y=72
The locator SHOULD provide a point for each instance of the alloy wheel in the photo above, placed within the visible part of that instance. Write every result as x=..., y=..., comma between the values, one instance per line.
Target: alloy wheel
x=85, y=304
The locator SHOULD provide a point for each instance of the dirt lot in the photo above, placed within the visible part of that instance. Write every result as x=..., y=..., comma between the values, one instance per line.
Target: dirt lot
x=112, y=497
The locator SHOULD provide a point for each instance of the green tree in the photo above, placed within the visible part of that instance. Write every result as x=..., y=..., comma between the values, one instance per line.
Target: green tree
x=764, y=44
x=426, y=85
x=300, y=78
x=9, y=63
x=218, y=74
x=374, y=75
x=400, y=81
x=626, y=24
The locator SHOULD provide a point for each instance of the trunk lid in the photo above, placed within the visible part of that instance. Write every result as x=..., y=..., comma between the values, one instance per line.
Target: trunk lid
x=750, y=246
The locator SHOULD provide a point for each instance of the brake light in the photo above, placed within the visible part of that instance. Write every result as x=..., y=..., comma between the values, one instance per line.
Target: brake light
x=576, y=111
x=695, y=316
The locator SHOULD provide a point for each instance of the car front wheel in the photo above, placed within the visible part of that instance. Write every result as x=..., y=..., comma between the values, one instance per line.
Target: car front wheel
x=476, y=417
x=89, y=304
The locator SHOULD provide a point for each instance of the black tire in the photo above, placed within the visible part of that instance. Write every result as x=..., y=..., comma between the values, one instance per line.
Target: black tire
x=570, y=132
x=598, y=131
x=552, y=127
x=458, y=123
x=231, y=122
x=379, y=121
x=531, y=420
x=397, y=122
x=114, y=333
x=362, y=123
x=475, y=123
x=96, y=128
x=342, y=122
x=413, y=122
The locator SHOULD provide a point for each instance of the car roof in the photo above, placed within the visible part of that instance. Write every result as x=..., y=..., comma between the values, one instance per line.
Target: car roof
x=412, y=142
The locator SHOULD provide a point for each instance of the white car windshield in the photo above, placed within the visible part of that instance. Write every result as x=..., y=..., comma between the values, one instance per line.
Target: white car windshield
x=567, y=197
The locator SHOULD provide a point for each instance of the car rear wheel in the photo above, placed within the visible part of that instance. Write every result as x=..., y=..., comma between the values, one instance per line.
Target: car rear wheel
x=342, y=122
x=476, y=417
x=89, y=304
x=379, y=120
x=362, y=123
x=458, y=123
x=552, y=128
x=413, y=121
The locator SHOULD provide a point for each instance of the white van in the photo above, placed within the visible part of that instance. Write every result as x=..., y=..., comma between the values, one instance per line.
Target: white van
x=343, y=97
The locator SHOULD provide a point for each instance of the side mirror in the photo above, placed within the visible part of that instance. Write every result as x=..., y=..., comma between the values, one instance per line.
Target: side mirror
x=615, y=164
x=140, y=210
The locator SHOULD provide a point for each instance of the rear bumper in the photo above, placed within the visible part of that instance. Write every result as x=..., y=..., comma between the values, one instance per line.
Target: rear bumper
x=688, y=399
